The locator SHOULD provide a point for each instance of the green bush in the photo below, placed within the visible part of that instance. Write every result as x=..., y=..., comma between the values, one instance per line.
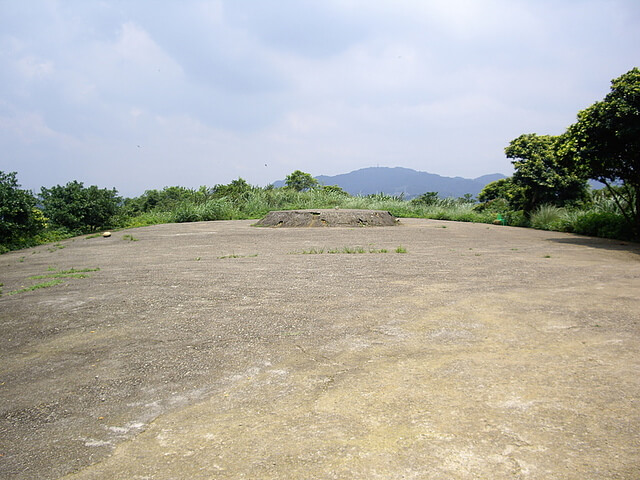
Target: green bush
x=80, y=209
x=494, y=206
x=516, y=219
x=603, y=224
x=19, y=219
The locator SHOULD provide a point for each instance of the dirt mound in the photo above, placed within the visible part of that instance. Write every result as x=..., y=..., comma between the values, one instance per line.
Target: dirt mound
x=328, y=218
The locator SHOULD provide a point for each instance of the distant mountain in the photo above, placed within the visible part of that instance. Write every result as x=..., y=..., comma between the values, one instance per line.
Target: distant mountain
x=404, y=181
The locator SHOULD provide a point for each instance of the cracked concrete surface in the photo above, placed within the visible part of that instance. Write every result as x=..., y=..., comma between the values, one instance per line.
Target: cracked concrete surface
x=218, y=350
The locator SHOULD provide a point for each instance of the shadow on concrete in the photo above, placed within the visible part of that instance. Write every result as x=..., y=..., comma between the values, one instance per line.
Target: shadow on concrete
x=602, y=243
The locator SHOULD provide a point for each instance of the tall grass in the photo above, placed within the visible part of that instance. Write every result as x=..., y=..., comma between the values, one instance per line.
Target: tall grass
x=548, y=217
x=257, y=203
x=600, y=220
x=215, y=209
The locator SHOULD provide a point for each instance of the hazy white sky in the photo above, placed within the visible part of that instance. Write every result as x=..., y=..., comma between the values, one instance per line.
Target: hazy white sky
x=139, y=94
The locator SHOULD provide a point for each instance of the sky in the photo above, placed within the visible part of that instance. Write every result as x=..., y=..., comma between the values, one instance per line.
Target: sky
x=142, y=94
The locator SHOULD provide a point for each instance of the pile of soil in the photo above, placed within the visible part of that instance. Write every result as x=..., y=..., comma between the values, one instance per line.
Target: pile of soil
x=328, y=218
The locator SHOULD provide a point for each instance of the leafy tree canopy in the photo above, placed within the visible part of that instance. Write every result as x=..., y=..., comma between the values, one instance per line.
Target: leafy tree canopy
x=604, y=144
x=539, y=177
x=334, y=189
x=78, y=208
x=502, y=188
x=426, y=199
x=18, y=216
x=300, y=181
x=236, y=190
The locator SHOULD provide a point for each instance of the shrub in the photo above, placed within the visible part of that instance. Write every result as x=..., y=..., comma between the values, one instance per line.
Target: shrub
x=603, y=224
x=516, y=219
x=19, y=219
x=79, y=209
x=496, y=205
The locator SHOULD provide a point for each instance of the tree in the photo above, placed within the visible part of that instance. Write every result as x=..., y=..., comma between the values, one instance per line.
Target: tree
x=237, y=190
x=604, y=144
x=19, y=219
x=300, y=181
x=335, y=189
x=79, y=209
x=539, y=177
x=467, y=198
x=503, y=188
x=427, y=199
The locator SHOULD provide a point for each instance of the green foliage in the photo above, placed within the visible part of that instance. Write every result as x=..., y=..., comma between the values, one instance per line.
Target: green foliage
x=334, y=189
x=50, y=283
x=56, y=278
x=603, y=224
x=59, y=275
x=604, y=144
x=300, y=181
x=78, y=208
x=216, y=209
x=343, y=250
x=495, y=205
x=429, y=198
x=237, y=191
x=233, y=255
x=548, y=217
x=539, y=177
x=163, y=200
x=516, y=218
x=500, y=189
x=147, y=218
x=19, y=219
x=616, y=199
x=239, y=200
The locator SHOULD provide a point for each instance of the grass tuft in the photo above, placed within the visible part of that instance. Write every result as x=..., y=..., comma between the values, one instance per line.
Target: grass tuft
x=233, y=255
x=37, y=286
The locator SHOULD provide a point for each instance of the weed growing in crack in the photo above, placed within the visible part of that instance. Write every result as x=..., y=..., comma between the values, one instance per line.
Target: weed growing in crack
x=37, y=286
x=313, y=251
x=347, y=250
x=342, y=250
x=56, y=278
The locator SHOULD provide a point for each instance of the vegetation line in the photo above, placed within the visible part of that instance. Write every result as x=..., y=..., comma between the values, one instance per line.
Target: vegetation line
x=548, y=189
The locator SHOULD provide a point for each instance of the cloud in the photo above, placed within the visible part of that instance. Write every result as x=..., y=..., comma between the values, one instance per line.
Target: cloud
x=212, y=90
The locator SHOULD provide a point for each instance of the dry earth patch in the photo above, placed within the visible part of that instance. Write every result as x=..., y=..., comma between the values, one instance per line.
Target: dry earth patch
x=207, y=350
